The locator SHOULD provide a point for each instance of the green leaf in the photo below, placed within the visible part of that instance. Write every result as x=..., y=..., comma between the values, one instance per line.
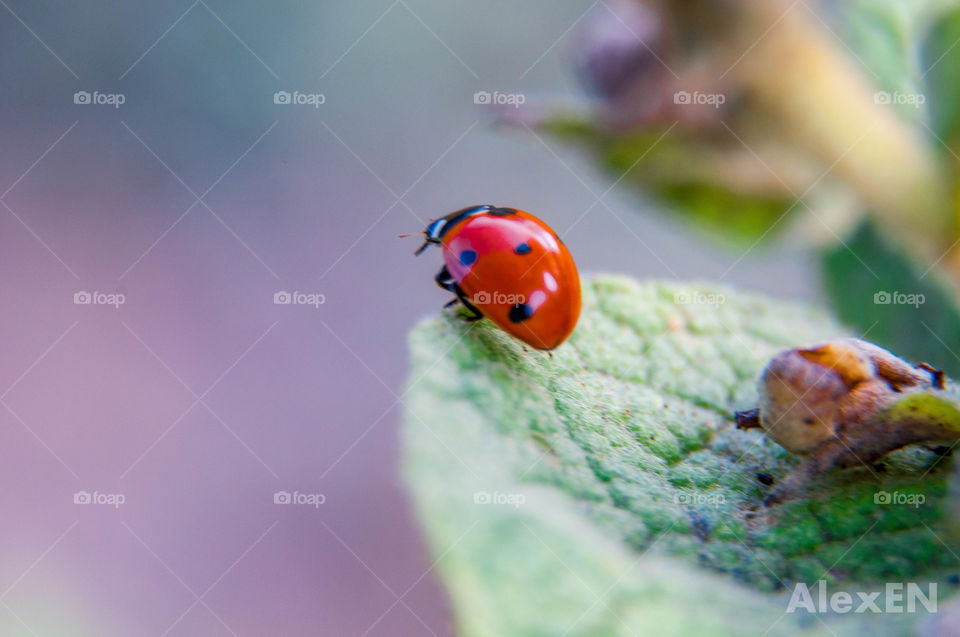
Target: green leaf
x=604, y=490
x=698, y=181
x=882, y=37
x=868, y=270
x=941, y=63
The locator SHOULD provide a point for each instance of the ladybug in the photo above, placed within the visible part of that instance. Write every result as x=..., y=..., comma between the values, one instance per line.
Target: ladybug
x=511, y=267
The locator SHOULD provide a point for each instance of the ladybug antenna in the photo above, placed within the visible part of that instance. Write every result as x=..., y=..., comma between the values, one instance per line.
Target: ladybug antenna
x=422, y=248
x=413, y=234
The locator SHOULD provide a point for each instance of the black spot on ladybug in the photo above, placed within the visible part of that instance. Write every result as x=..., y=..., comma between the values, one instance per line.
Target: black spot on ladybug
x=502, y=212
x=520, y=312
x=468, y=257
x=808, y=421
x=523, y=248
x=765, y=478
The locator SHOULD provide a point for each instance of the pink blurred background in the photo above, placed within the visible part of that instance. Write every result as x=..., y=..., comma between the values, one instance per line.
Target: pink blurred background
x=199, y=398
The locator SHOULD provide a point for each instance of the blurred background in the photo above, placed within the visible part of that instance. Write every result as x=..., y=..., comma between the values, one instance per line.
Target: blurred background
x=146, y=428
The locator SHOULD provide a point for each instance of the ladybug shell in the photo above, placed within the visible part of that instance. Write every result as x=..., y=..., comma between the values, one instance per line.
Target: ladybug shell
x=518, y=272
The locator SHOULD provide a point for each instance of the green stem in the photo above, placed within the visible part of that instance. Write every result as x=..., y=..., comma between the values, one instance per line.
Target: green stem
x=807, y=82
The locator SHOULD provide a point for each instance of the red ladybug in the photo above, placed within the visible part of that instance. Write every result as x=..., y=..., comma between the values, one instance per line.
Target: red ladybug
x=509, y=266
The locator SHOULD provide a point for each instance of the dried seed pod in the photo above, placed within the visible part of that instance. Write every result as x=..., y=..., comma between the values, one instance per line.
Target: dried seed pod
x=833, y=403
x=806, y=393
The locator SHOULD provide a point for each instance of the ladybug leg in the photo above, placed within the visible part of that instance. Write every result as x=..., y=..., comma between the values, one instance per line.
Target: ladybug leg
x=447, y=282
x=475, y=314
x=444, y=280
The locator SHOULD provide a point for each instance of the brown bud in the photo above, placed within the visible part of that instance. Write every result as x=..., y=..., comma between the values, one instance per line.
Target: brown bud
x=828, y=402
x=806, y=393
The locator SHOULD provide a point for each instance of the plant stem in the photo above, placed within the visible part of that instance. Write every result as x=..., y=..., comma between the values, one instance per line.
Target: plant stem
x=825, y=105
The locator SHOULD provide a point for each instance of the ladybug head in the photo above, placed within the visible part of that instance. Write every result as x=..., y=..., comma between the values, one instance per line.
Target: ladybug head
x=439, y=227
x=432, y=234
